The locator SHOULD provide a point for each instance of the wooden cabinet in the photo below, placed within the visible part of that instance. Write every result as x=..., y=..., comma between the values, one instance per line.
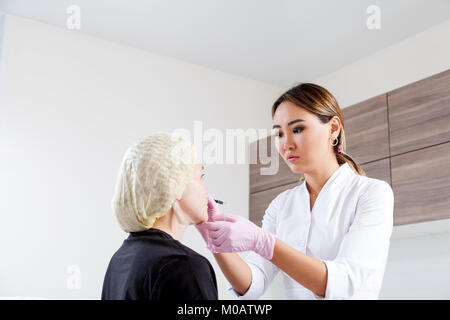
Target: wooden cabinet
x=421, y=184
x=419, y=114
x=401, y=137
x=366, y=129
x=379, y=169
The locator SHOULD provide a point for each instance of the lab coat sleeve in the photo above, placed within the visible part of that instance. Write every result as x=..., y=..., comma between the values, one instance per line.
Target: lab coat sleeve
x=263, y=271
x=357, y=271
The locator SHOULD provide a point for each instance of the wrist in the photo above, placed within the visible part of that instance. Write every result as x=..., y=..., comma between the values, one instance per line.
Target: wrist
x=265, y=244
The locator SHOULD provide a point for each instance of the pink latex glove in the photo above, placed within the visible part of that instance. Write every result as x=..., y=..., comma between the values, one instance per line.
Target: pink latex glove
x=233, y=233
x=213, y=212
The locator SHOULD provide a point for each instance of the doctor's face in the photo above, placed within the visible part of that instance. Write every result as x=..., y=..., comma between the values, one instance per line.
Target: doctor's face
x=194, y=200
x=300, y=138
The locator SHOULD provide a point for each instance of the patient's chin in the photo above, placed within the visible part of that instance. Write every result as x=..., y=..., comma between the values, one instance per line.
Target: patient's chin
x=203, y=219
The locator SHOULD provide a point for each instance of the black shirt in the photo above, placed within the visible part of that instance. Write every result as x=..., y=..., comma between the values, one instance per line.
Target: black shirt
x=152, y=265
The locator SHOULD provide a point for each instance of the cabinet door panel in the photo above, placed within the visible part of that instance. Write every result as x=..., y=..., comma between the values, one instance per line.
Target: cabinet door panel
x=366, y=129
x=421, y=184
x=379, y=169
x=419, y=114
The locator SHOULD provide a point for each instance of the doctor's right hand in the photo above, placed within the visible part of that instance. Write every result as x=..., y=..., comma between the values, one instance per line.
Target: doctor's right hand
x=213, y=211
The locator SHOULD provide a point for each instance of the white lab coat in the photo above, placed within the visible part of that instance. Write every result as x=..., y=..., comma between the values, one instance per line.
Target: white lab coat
x=349, y=229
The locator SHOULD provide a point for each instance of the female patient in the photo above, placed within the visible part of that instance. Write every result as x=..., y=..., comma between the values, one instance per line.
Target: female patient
x=159, y=192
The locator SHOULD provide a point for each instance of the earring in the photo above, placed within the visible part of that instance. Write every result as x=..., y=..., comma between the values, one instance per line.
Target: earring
x=337, y=141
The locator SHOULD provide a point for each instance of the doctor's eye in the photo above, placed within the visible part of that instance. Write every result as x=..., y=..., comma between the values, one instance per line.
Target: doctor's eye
x=277, y=134
x=298, y=129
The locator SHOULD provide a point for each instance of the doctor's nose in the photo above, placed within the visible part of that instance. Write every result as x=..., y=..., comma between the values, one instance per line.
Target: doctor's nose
x=288, y=143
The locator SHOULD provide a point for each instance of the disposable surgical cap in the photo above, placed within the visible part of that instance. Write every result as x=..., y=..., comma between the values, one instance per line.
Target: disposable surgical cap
x=153, y=174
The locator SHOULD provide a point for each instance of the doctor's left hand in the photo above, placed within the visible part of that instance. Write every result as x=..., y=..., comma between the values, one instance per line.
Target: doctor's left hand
x=213, y=211
x=233, y=233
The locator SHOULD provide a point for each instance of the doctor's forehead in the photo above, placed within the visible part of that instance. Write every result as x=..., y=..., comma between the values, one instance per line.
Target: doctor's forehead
x=288, y=112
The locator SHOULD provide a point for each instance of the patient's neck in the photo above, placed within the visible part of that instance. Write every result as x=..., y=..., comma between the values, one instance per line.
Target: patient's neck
x=171, y=225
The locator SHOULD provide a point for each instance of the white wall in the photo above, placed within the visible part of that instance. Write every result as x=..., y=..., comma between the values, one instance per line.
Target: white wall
x=419, y=260
x=70, y=106
x=410, y=60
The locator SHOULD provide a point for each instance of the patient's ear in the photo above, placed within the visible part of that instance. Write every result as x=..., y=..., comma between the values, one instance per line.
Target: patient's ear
x=176, y=206
x=179, y=198
x=178, y=211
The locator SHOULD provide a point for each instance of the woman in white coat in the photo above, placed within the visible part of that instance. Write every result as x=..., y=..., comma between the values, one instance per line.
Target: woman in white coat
x=329, y=235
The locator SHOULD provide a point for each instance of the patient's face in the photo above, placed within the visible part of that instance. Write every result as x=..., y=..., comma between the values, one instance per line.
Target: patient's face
x=194, y=201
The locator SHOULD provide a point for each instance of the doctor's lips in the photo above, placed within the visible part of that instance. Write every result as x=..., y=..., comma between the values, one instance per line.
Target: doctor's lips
x=292, y=158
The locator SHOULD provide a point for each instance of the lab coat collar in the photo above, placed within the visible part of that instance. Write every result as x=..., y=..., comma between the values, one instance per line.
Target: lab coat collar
x=335, y=182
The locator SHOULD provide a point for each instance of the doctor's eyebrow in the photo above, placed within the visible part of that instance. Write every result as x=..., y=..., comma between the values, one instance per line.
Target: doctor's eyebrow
x=289, y=123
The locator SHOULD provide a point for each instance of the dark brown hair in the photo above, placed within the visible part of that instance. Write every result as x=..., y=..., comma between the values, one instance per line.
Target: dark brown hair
x=323, y=104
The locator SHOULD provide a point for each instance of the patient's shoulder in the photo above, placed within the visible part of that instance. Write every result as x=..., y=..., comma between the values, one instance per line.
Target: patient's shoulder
x=192, y=261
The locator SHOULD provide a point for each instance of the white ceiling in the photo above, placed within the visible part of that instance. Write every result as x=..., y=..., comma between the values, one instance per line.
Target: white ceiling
x=278, y=41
